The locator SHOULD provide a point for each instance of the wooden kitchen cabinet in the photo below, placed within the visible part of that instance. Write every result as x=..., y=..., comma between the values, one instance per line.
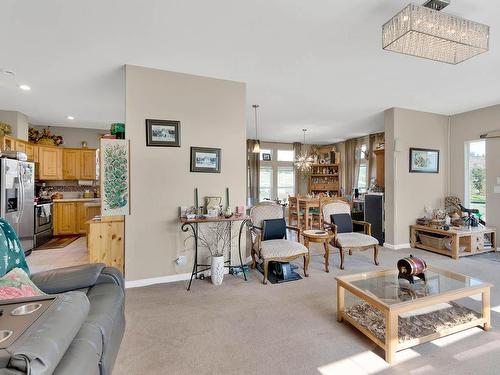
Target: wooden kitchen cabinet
x=87, y=164
x=30, y=151
x=71, y=217
x=50, y=163
x=106, y=241
x=65, y=218
x=71, y=164
x=20, y=146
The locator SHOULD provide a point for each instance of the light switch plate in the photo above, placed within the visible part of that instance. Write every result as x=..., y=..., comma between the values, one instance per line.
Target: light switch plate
x=496, y=189
x=498, y=180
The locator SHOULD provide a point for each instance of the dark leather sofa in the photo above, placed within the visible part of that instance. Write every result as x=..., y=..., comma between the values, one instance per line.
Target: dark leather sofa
x=82, y=335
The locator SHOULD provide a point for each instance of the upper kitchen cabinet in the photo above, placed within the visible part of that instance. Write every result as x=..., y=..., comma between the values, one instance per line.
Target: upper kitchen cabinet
x=88, y=164
x=71, y=164
x=50, y=160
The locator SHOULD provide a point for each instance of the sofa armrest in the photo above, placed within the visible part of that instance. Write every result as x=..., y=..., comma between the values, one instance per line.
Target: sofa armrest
x=62, y=280
x=111, y=275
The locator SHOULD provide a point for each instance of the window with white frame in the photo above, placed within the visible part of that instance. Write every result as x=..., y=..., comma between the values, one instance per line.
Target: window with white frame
x=277, y=172
x=475, y=176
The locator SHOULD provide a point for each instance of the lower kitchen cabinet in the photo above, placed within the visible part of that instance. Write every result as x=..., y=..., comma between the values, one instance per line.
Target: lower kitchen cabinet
x=71, y=217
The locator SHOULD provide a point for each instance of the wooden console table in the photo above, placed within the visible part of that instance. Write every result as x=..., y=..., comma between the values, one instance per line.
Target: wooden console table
x=464, y=242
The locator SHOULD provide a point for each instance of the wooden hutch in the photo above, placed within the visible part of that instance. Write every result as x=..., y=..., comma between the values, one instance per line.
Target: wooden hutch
x=324, y=177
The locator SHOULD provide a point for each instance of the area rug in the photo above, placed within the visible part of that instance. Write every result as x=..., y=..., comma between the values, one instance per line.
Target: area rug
x=58, y=242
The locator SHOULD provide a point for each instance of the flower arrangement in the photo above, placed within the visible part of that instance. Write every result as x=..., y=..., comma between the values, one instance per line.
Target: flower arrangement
x=44, y=136
x=5, y=129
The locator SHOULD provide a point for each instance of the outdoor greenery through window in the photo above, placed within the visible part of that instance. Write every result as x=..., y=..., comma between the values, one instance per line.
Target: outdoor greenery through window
x=475, y=176
x=277, y=173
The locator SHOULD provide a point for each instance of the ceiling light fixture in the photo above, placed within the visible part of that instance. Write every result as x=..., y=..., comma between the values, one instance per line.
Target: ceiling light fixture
x=256, y=145
x=304, y=162
x=24, y=87
x=424, y=31
x=70, y=117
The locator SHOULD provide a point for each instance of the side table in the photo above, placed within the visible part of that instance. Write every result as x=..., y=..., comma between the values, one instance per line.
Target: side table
x=318, y=236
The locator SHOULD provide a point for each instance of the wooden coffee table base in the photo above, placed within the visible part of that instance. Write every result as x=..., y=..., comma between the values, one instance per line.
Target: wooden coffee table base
x=391, y=313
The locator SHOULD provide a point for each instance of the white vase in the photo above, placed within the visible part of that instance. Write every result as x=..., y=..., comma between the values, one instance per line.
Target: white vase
x=217, y=270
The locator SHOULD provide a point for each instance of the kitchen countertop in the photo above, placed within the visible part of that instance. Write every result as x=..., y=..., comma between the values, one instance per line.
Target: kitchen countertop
x=93, y=200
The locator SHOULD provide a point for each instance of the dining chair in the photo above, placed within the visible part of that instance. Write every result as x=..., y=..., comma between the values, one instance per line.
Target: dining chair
x=337, y=219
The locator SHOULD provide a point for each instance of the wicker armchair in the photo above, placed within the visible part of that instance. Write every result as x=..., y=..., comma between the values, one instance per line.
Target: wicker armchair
x=279, y=250
x=351, y=240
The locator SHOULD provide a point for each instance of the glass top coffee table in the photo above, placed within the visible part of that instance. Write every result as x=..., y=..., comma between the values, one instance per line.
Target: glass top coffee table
x=397, y=315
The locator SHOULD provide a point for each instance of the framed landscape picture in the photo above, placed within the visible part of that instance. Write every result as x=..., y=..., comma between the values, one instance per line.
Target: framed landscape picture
x=424, y=160
x=163, y=133
x=204, y=159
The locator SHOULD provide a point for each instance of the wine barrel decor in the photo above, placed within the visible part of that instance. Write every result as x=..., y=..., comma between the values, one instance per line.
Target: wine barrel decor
x=410, y=267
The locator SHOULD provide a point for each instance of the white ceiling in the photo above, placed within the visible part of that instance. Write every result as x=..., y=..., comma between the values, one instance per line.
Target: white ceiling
x=313, y=64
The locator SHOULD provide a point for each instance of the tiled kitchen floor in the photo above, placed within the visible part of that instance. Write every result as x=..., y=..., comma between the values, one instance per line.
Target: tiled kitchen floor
x=73, y=254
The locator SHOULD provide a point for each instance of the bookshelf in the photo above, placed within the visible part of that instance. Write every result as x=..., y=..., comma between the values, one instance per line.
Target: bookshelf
x=325, y=178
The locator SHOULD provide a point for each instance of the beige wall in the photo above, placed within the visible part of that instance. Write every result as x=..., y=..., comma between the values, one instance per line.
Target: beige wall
x=469, y=126
x=212, y=114
x=408, y=193
x=73, y=137
x=18, y=121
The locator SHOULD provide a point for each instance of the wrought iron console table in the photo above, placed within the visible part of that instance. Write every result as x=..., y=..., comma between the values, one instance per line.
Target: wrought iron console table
x=193, y=225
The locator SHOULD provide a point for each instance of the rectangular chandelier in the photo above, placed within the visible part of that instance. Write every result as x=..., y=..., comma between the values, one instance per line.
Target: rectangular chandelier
x=424, y=32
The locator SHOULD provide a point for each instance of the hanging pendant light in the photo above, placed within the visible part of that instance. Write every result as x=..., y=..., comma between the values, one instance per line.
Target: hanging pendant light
x=304, y=162
x=256, y=145
x=425, y=31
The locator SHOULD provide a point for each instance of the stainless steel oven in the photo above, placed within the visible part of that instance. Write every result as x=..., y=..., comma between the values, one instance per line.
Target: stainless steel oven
x=43, y=223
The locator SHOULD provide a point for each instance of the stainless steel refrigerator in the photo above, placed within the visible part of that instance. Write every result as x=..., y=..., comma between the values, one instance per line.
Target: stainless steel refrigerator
x=17, y=190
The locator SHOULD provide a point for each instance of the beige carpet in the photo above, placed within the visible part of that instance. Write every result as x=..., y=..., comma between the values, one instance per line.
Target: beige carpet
x=248, y=328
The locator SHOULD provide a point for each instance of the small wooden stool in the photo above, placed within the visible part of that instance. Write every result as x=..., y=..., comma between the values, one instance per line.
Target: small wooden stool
x=318, y=236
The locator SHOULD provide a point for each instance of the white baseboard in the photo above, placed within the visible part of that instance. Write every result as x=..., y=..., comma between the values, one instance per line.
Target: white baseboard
x=168, y=279
x=157, y=280
x=397, y=247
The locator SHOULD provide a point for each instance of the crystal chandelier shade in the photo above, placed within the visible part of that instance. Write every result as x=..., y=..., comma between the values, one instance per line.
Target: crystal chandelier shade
x=424, y=32
x=304, y=162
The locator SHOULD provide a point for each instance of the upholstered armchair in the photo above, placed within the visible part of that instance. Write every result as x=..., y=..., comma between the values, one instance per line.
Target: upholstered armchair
x=337, y=220
x=272, y=245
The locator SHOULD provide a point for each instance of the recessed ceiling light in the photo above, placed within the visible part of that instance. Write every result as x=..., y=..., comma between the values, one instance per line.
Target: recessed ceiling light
x=24, y=87
x=70, y=117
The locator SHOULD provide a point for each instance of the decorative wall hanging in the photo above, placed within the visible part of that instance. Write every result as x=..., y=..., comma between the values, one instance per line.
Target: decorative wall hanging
x=424, y=160
x=115, y=180
x=206, y=160
x=163, y=133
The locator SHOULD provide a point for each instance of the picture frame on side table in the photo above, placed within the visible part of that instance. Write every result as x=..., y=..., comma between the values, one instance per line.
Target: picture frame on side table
x=205, y=159
x=424, y=160
x=163, y=133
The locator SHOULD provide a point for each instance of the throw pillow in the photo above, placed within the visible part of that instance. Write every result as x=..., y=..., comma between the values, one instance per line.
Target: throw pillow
x=343, y=222
x=274, y=229
x=11, y=250
x=17, y=284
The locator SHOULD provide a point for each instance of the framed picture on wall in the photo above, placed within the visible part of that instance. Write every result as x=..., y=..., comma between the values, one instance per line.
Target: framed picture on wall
x=163, y=133
x=423, y=160
x=205, y=160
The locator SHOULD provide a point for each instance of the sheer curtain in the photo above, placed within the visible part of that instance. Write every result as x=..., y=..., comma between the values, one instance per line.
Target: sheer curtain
x=253, y=174
x=298, y=174
x=373, y=141
x=352, y=165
